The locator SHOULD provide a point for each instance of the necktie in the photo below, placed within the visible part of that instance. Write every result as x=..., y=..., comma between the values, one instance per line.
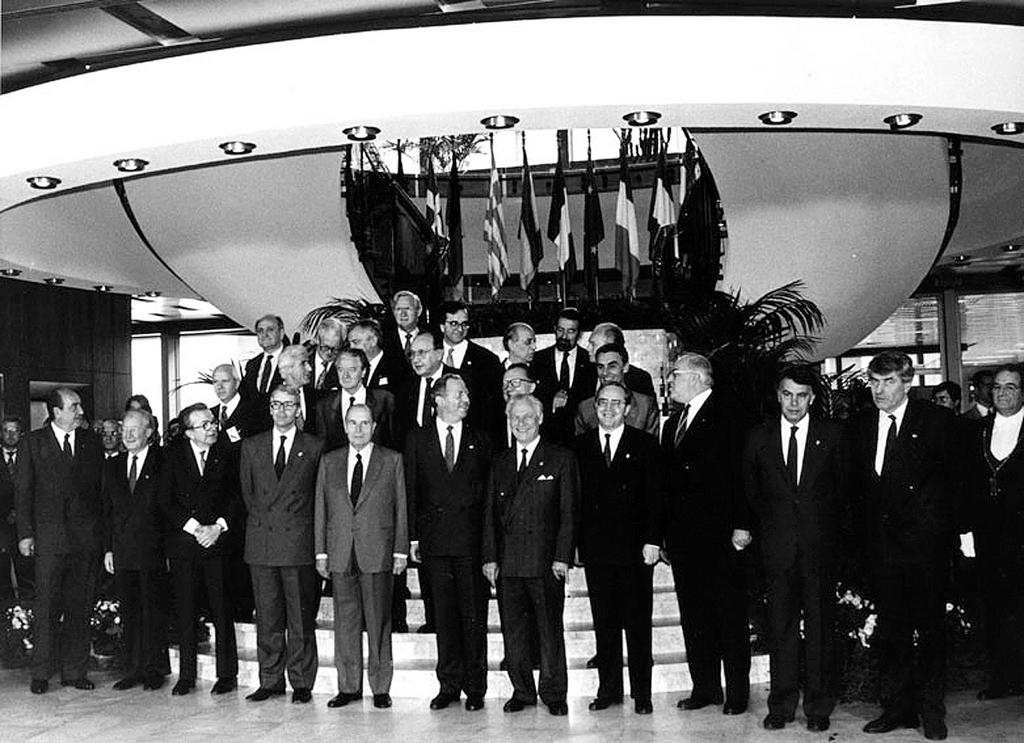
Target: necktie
x=890, y=441
x=449, y=450
x=608, y=449
x=791, y=456
x=425, y=412
x=357, y=480
x=133, y=473
x=67, y=446
x=408, y=342
x=351, y=402
x=300, y=419
x=450, y=359
x=279, y=460
x=563, y=373
x=10, y=463
x=522, y=467
x=268, y=361
x=202, y=463
x=681, y=426
x=320, y=379
x=223, y=416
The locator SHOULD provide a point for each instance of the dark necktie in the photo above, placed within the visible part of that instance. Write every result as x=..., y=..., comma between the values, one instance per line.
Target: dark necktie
x=223, y=416
x=202, y=463
x=133, y=473
x=10, y=463
x=563, y=372
x=408, y=342
x=320, y=379
x=890, y=441
x=449, y=450
x=450, y=359
x=608, y=449
x=265, y=379
x=351, y=402
x=425, y=412
x=67, y=446
x=279, y=460
x=681, y=425
x=357, y=480
x=522, y=467
x=791, y=456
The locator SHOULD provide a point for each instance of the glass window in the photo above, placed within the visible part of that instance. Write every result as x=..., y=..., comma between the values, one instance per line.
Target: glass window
x=991, y=330
x=200, y=353
x=914, y=329
x=146, y=374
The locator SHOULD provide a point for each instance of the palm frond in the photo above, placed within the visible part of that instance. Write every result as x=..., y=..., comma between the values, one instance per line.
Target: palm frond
x=346, y=310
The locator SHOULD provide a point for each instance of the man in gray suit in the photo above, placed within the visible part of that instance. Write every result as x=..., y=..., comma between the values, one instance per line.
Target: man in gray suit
x=612, y=366
x=361, y=538
x=278, y=476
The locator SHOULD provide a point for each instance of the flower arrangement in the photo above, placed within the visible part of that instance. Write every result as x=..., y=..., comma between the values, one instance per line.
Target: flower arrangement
x=107, y=632
x=16, y=642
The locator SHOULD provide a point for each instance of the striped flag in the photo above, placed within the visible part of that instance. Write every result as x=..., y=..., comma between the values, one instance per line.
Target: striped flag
x=559, y=228
x=453, y=221
x=529, y=230
x=494, y=232
x=663, y=210
x=593, y=229
x=627, y=237
x=434, y=214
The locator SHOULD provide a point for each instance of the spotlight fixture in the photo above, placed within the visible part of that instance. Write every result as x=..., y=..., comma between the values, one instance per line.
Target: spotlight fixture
x=54, y=280
x=101, y=288
x=961, y=259
x=777, y=118
x=131, y=164
x=43, y=182
x=1007, y=128
x=500, y=121
x=237, y=147
x=901, y=121
x=10, y=272
x=361, y=133
x=642, y=118
x=151, y=294
x=1011, y=248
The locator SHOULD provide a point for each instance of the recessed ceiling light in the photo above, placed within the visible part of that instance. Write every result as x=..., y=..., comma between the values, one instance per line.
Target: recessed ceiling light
x=500, y=121
x=1011, y=248
x=43, y=182
x=101, y=288
x=54, y=280
x=642, y=118
x=777, y=118
x=1009, y=127
x=11, y=271
x=131, y=164
x=901, y=121
x=361, y=133
x=961, y=259
x=151, y=294
x=236, y=147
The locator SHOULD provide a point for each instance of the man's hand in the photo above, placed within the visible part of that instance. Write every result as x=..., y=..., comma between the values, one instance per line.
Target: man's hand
x=560, y=569
x=740, y=538
x=399, y=566
x=321, y=567
x=27, y=546
x=560, y=400
x=108, y=562
x=651, y=554
x=491, y=572
x=414, y=551
x=207, y=535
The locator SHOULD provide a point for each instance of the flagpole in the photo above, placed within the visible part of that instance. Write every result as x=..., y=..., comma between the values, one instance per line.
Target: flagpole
x=597, y=266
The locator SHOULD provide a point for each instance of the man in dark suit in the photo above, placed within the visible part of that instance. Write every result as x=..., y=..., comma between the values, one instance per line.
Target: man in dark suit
x=520, y=342
x=59, y=505
x=565, y=377
x=237, y=418
x=446, y=468
x=261, y=374
x=330, y=338
x=195, y=498
x=996, y=454
x=361, y=540
x=386, y=369
x=278, y=481
x=10, y=451
x=480, y=368
x=904, y=468
x=619, y=543
x=134, y=545
x=406, y=309
x=296, y=373
x=330, y=411
x=981, y=395
x=794, y=474
x=636, y=379
x=529, y=523
x=612, y=365
x=707, y=528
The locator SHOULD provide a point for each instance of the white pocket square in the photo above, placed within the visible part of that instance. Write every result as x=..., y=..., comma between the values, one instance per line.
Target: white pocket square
x=545, y=477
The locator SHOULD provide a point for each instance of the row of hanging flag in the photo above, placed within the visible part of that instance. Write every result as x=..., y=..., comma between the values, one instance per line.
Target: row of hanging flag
x=665, y=221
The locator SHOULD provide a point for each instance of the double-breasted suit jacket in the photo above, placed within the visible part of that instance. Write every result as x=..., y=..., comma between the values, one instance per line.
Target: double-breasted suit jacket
x=279, y=529
x=407, y=406
x=643, y=414
x=133, y=529
x=249, y=388
x=558, y=424
x=376, y=527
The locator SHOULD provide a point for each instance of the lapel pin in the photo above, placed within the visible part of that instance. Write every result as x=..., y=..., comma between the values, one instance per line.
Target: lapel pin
x=299, y=454
x=913, y=435
x=817, y=442
x=627, y=455
x=471, y=447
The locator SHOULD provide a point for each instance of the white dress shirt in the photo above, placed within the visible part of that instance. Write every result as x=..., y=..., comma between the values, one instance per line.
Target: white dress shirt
x=1005, y=433
x=192, y=524
x=458, y=352
x=60, y=433
x=883, y=431
x=140, y=461
x=442, y=434
x=273, y=356
x=275, y=441
x=530, y=449
x=346, y=399
x=695, y=405
x=802, y=426
x=616, y=437
x=373, y=364
x=425, y=390
x=571, y=355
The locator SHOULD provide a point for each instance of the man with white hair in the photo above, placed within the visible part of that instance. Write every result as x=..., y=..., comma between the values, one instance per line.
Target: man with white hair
x=261, y=373
x=296, y=373
x=330, y=338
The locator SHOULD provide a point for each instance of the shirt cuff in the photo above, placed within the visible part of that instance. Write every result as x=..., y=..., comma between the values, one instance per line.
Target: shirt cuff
x=190, y=527
x=321, y=556
x=399, y=554
x=222, y=523
x=656, y=546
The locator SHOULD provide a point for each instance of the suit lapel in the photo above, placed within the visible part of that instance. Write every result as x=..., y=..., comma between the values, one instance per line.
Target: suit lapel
x=813, y=453
x=291, y=466
x=775, y=450
x=371, y=476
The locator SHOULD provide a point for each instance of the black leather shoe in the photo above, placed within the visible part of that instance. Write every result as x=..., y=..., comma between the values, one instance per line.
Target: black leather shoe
x=734, y=708
x=426, y=629
x=442, y=700
x=224, y=685
x=342, y=699
x=39, y=686
x=775, y=721
x=262, y=694
x=182, y=688
x=889, y=721
x=399, y=628
x=381, y=701
x=516, y=705
x=302, y=696
x=592, y=662
x=603, y=703
x=83, y=683
x=643, y=706
x=474, y=702
x=692, y=703
x=818, y=724
x=128, y=682
x=153, y=682
x=558, y=709
x=934, y=728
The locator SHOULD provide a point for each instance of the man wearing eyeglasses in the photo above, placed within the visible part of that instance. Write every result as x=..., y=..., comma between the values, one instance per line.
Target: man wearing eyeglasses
x=515, y=382
x=351, y=371
x=195, y=496
x=565, y=377
x=296, y=373
x=612, y=365
x=278, y=481
x=330, y=337
x=479, y=367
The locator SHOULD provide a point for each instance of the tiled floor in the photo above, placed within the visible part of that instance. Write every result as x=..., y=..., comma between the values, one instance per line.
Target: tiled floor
x=111, y=717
